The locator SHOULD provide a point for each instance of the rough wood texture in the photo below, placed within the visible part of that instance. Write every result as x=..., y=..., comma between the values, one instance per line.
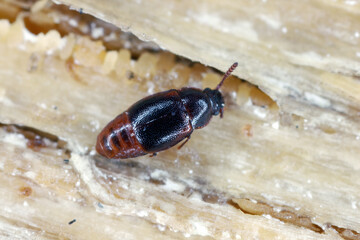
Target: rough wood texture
x=260, y=173
x=299, y=52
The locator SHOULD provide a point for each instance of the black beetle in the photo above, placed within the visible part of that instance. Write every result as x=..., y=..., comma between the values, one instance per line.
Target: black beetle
x=160, y=121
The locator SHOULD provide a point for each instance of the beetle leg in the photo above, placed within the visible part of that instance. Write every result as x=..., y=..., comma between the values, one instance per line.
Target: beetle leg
x=153, y=155
x=187, y=139
x=221, y=112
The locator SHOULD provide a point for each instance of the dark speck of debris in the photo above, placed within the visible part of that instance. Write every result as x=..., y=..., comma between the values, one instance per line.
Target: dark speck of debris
x=100, y=205
x=81, y=11
x=130, y=75
x=55, y=107
x=72, y=221
x=66, y=161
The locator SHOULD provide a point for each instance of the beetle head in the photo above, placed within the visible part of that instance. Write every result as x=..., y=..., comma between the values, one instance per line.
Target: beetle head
x=216, y=99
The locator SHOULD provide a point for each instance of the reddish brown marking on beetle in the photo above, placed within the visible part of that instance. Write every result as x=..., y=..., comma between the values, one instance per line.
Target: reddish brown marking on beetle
x=25, y=191
x=171, y=117
x=121, y=142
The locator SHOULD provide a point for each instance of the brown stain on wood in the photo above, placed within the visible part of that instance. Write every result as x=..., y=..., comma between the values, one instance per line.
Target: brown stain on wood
x=25, y=191
x=346, y=233
x=279, y=212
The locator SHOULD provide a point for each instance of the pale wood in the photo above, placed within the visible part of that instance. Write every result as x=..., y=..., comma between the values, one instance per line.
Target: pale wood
x=311, y=170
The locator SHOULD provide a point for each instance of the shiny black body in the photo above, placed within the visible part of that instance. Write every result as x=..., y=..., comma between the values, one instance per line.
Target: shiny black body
x=162, y=120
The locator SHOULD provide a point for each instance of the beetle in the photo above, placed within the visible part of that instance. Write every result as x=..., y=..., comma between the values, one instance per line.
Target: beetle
x=160, y=121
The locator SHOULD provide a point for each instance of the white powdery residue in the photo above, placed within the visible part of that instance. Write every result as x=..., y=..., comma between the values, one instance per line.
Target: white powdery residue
x=77, y=184
x=64, y=42
x=49, y=143
x=317, y=100
x=161, y=227
x=97, y=32
x=270, y=21
x=140, y=191
x=110, y=37
x=151, y=87
x=351, y=2
x=83, y=167
x=30, y=174
x=159, y=174
x=244, y=29
x=125, y=186
x=354, y=204
x=253, y=201
x=15, y=139
x=42, y=105
x=29, y=36
x=260, y=112
x=196, y=197
x=275, y=125
x=92, y=153
x=267, y=216
x=173, y=186
x=277, y=209
x=48, y=42
x=142, y=213
x=73, y=22
x=16, y=172
x=191, y=183
x=199, y=227
x=308, y=194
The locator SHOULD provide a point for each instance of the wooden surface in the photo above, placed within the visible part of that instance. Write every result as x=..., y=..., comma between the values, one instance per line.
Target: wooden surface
x=284, y=170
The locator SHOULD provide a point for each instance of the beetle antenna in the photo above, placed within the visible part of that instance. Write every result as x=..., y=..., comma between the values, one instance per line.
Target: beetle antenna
x=226, y=75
